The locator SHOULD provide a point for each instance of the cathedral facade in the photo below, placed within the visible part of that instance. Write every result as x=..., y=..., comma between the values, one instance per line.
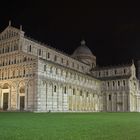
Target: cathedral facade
x=36, y=77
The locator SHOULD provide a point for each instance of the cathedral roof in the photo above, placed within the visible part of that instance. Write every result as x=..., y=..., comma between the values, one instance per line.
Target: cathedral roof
x=111, y=67
x=114, y=77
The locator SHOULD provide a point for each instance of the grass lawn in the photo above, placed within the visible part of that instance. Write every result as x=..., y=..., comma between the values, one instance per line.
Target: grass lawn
x=69, y=126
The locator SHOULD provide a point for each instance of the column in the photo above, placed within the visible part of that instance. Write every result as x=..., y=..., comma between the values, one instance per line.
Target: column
x=26, y=96
x=128, y=102
x=123, y=101
x=17, y=99
x=9, y=103
x=138, y=104
x=0, y=98
x=70, y=99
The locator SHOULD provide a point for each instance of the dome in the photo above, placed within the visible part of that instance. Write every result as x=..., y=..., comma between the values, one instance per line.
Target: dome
x=84, y=54
x=82, y=50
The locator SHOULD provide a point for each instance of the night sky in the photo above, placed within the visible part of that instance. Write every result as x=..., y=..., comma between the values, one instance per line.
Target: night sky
x=113, y=34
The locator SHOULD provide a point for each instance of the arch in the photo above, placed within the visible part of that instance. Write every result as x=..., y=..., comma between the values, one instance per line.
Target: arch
x=21, y=84
x=22, y=89
x=30, y=82
x=6, y=86
x=44, y=82
x=13, y=84
x=50, y=84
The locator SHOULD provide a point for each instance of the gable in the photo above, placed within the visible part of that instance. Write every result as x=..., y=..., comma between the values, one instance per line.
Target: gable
x=9, y=32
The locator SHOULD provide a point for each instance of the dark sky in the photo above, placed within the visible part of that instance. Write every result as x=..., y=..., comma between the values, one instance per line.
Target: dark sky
x=113, y=34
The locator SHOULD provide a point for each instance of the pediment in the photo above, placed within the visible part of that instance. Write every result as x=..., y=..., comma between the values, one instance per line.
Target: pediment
x=9, y=32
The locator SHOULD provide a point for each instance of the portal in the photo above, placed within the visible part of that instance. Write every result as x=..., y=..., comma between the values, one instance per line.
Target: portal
x=22, y=102
x=5, y=101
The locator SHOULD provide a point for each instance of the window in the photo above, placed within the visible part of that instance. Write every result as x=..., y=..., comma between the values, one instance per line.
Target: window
x=24, y=59
x=124, y=82
x=81, y=93
x=8, y=49
x=14, y=61
x=107, y=73
x=24, y=72
x=55, y=88
x=50, y=69
x=108, y=84
x=48, y=55
x=73, y=91
x=15, y=47
x=39, y=52
x=65, y=90
x=113, y=83
x=87, y=94
x=67, y=62
x=30, y=48
x=115, y=71
x=2, y=75
x=118, y=83
x=124, y=71
x=55, y=58
x=134, y=84
x=109, y=97
x=44, y=67
x=62, y=60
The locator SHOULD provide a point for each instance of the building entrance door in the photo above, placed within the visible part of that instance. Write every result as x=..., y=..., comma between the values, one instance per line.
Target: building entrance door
x=119, y=107
x=5, y=101
x=22, y=102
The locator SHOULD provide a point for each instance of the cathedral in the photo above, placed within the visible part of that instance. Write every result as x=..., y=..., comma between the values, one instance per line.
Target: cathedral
x=38, y=78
